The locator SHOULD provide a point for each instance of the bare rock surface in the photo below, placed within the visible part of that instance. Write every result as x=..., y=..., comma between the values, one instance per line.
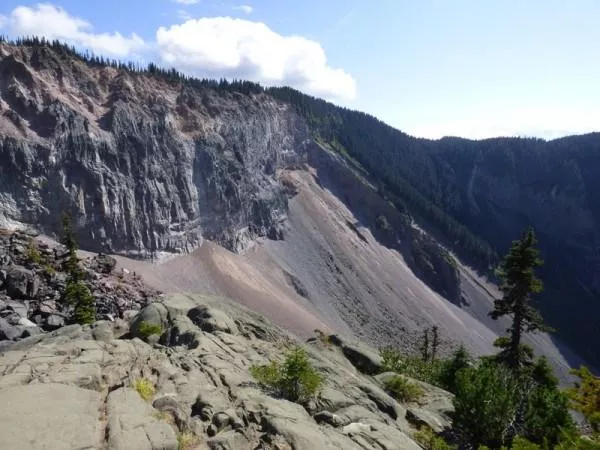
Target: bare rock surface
x=201, y=391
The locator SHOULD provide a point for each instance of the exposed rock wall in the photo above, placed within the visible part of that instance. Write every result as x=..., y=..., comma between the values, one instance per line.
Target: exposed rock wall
x=142, y=164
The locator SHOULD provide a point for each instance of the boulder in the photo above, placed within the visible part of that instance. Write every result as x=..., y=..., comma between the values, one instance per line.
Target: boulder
x=21, y=283
x=153, y=314
x=103, y=331
x=132, y=424
x=211, y=320
x=361, y=356
x=54, y=321
x=434, y=408
x=103, y=263
x=9, y=332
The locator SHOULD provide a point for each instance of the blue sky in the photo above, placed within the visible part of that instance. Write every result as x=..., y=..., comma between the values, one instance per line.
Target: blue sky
x=473, y=68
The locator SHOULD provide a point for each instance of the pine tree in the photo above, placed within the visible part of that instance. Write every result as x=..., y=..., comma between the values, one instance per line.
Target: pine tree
x=68, y=240
x=425, y=346
x=76, y=294
x=518, y=283
x=435, y=342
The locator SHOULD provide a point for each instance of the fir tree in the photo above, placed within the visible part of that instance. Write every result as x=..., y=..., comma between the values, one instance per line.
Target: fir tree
x=76, y=292
x=518, y=283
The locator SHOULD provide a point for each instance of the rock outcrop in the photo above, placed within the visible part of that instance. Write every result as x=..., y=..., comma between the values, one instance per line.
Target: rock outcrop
x=193, y=389
x=144, y=165
x=33, y=280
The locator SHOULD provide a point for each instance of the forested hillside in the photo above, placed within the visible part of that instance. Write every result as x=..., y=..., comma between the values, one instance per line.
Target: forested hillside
x=476, y=196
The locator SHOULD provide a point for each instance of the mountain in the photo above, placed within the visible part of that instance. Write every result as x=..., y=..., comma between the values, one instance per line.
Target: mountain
x=313, y=215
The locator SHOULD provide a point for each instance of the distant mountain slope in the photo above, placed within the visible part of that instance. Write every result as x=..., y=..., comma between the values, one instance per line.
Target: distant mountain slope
x=477, y=196
x=149, y=162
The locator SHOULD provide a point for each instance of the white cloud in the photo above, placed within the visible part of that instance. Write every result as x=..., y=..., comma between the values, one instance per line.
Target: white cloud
x=187, y=2
x=223, y=46
x=53, y=22
x=3, y=21
x=544, y=121
x=244, y=8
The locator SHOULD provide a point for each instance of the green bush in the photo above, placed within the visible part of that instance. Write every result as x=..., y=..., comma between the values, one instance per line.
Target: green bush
x=145, y=388
x=49, y=270
x=403, y=389
x=145, y=330
x=485, y=404
x=585, y=396
x=33, y=254
x=430, y=441
x=459, y=360
x=547, y=415
x=411, y=366
x=295, y=379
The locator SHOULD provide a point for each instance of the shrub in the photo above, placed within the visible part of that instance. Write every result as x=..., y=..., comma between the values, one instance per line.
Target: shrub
x=145, y=388
x=430, y=441
x=145, y=329
x=547, y=415
x=411, y=366
x=33, y=254
x=459, y=360
x=403, y=389
x=49, y=270
x=295, y=379
x=186, y=441
x=585, y=396
x=485, y=403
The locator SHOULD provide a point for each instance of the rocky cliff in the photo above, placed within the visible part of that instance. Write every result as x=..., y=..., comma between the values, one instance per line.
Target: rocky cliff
x=144, y=165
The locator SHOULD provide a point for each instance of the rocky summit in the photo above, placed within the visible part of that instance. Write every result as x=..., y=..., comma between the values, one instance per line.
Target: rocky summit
x=190, y=387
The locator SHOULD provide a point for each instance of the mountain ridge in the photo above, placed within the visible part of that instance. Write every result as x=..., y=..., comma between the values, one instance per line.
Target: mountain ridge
x=195, y=159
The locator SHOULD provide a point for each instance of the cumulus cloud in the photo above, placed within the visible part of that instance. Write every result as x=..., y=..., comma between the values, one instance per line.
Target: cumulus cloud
x=244, y=8
x=187, y=2
x=53, y=22
x=224, y=46
x=207, y=47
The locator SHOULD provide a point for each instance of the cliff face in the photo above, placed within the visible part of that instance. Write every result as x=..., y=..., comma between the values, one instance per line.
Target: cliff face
x=143, y=165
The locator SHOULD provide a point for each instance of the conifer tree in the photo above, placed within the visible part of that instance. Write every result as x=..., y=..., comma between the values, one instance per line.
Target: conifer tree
x=76, y=292
x=519, y=282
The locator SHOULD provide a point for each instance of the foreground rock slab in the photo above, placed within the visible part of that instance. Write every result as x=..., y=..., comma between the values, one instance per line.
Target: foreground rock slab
x=49, y=416
x=84, y=388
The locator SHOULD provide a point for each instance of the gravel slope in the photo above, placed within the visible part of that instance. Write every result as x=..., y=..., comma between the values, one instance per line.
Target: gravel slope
x=326, y=275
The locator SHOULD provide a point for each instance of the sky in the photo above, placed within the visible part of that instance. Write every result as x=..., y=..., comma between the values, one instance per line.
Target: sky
x=431, y=68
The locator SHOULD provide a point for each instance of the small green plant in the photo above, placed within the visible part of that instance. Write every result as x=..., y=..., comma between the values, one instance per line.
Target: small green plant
x=49, y=270
x=431, y=441
x=403, y=389
x=411, y=366
x=295, y=379
x=145, y=388
x=33, y=253
x=324, y=338
x=146, y=330
x=186, y=441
